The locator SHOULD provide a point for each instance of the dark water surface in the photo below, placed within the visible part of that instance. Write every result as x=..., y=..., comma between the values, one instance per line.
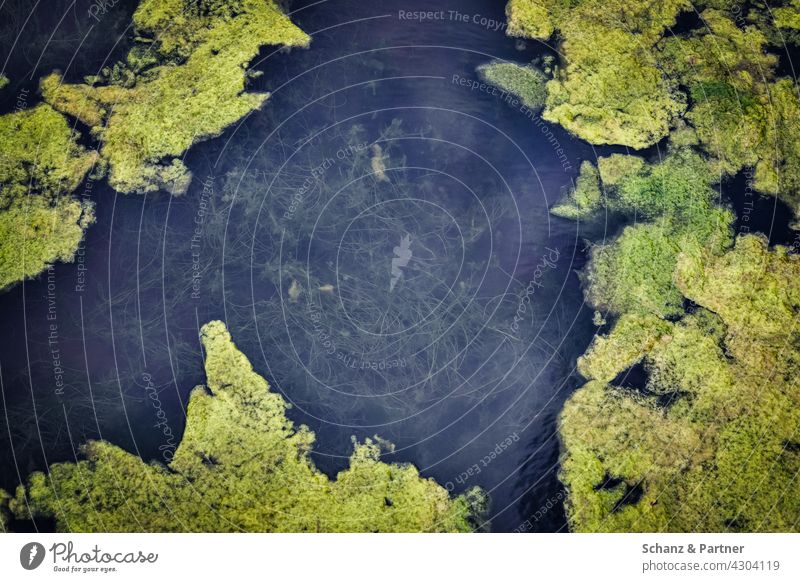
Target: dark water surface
x=424, y=351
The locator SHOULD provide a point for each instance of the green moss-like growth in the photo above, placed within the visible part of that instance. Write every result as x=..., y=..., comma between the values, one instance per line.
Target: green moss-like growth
x=610, y=89
x=585, y=199
x=742, y=115
x=616, y=168
x=530, y=18
x=146, y=115
x=41, y=164
x=633, y=336
x=526, y=82
x=710, y=443
x=788, y=17
x=4, y=514
x=635, y=272
x=623, y=80
x=709, y=440
x=241, y=466
x=3, y=82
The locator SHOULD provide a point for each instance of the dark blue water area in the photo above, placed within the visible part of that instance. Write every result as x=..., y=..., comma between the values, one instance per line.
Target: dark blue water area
x=460, y=352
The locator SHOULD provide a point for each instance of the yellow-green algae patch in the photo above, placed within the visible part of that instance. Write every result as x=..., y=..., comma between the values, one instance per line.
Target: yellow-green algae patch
x=710, y=443
x=182, y=83
x=41, y=164
x=242, y=465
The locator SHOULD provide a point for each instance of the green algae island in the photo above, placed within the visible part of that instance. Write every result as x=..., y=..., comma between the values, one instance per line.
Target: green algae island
x=241, y=466
x=182, y=82
x=710, y=441
x=40, y=166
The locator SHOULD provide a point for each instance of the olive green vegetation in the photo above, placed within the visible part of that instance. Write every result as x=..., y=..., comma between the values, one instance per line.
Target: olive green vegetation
x=609, y=89
x=182, y=82
x=711, y=442
x=744, y=117
x=788, y=16
x=529, y=19
x=525, y=82
x=4, y=515
x=585, y=199
x=675, y=208
x=624, y=80
x=41, y=164
x=241, y=466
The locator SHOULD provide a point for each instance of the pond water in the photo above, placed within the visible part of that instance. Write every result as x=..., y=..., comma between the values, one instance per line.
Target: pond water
x=377, y=240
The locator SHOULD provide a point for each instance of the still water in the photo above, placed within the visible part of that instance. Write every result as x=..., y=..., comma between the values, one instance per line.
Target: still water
x=377, y=240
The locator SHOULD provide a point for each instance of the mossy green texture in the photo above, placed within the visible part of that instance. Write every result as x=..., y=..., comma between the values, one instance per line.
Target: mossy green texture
x=41, y=164
x=4, y=514
x=530, y=18
x=241, y=466
x=635, y=271
x=524, y=81
x=625, y=80
x=743, y=116
x=610, y=89
x=183, y=83
x=721, y=454
x=3, y=82
x=633, y=335
x=585, y=199
x=788, y=16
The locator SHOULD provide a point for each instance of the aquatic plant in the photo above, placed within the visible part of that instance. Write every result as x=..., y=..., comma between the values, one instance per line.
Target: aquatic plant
x=742, y=115
x=634, y=271
x=184, y=82
x=241, y=466
x=623, y=80
x=609, y=89
x=41, y=164
x=526, y=82
x=584, y=200
x=4, y=514
x=709, y=442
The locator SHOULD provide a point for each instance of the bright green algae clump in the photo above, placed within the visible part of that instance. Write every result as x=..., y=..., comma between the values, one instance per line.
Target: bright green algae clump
x=610, y=89
x=41, y=164
x=241, y=466
x=708, y=439
x=526, y=82
x=183, y=82
x=711, y=442
x=625, y=79
x=4, y=516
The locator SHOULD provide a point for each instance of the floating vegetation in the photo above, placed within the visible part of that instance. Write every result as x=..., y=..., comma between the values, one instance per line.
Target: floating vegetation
x=241, y=466
x=41, y=164
x=183, y=81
